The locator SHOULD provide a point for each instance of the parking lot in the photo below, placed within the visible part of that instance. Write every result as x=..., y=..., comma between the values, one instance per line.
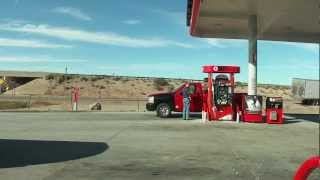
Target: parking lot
x=71, y=146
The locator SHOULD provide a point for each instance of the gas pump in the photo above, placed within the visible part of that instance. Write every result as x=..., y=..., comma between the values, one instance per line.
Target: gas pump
x=251, y=109
x=220, y=104
x=274, y=110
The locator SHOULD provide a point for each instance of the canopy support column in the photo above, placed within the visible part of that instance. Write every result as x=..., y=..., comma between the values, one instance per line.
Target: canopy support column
x=252, y=67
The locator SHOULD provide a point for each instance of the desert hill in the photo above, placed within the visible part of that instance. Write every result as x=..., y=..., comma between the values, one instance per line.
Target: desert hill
x=120, y=87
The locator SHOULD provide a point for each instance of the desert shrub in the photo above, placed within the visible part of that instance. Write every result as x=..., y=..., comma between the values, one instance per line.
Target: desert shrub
x=159, y=83
x=102, y=87
x=171, y=88
x=241, y=83
x=117, y=78
x=274, y=87
x=67, y=77
x=48, y=92
x=84, y=79
x=67, y=88
x=63, y=78
x=133, y=85
x=43, y=103
x=12, y=105
x=60, y=79
x=124, y=80
x=101, y=77
x=94, y=78
x=50, y=77
x=160, y=88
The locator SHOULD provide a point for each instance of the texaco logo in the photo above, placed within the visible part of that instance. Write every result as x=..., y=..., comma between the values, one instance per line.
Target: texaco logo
x=215, y=68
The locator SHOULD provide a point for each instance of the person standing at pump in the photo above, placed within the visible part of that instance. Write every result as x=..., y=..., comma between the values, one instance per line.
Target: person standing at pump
x=186, y=101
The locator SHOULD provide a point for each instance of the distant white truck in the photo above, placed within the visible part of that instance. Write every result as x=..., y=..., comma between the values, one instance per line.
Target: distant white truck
x=307, y=90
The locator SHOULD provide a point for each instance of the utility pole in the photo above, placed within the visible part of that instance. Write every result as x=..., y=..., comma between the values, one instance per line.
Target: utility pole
x=66, y=70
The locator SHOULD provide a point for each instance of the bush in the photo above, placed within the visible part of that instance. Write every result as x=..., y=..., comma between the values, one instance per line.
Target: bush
x=63, y=78
x=117, y=78
x=241, y=83
x=84, y=79
x=171, y=88
x=96, y=78
x=12, y=105
x=159, y=88
x=124, y=80
x=159, y=83
x=67, y=77
x=50, y=77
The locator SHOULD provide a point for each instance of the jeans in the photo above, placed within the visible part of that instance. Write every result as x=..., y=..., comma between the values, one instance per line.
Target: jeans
x=185, y=112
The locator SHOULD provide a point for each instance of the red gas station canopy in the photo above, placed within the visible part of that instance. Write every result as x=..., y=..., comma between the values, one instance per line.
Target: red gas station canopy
x=221, y=69
x=280, y=20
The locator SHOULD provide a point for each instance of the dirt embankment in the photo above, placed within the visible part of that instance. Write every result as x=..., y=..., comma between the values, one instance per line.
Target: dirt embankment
x=48, y=93
x=120, y=87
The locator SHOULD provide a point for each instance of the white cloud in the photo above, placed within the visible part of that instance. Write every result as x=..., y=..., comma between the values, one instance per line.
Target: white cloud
x=73, y=12
x=132, y=22
x=176, y=17
x=105, y=38
x=215, y=42
x=38, y=59
x=297, y=65
x=306, y=46
x=224, y=43
x=30, y=44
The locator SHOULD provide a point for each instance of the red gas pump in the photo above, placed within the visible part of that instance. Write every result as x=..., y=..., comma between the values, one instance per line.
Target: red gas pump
x=220, y=104
x=274, y=110
x=251, y=108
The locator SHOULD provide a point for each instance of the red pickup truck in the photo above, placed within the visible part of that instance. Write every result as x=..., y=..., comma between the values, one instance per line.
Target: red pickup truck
x=166, y=103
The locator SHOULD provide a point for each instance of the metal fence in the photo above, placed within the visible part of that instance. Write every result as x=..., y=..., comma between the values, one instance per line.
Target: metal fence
x=63, y=103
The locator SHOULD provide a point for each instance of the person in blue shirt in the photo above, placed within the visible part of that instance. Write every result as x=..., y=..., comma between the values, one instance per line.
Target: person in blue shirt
x=186, y=101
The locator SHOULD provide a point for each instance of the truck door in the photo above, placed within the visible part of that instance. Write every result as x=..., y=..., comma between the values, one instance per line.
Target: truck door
x=178, y=99
x=193, y=99
x=195, y=96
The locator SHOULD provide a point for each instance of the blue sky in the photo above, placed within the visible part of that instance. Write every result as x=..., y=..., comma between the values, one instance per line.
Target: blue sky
x=133, y=37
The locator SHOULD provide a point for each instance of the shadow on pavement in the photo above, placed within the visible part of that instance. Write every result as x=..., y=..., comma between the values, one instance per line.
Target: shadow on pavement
x=191, y=115
x=17, y=153
x=295, y=118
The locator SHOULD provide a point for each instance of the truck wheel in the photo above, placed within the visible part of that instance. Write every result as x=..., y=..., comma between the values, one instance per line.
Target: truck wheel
x=163, y=110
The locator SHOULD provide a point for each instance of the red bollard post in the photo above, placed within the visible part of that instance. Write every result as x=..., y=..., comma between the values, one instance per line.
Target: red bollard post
x=74, y=98
x=306, y=168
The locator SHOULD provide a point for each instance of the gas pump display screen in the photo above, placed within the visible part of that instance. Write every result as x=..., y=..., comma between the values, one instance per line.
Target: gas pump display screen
x=274, y=102
x=253, y=104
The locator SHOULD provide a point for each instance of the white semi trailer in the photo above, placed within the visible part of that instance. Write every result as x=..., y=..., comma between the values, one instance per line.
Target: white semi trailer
x=307, y=90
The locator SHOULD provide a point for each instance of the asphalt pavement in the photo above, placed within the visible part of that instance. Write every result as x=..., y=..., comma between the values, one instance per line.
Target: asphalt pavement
x=138, y=146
